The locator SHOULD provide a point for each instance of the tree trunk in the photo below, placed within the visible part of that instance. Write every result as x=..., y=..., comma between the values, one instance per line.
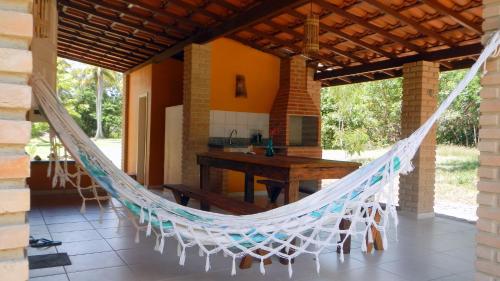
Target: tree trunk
x=98, y=105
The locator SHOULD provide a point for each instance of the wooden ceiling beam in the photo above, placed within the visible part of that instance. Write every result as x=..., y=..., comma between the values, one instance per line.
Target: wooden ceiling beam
x=296, y=34
x=227, y=5
x=78, y=39
x=64, y=54
x=155, y=11
x=454, y=15
x=240, y=21
x=95, y=13
x=96, y=53
x=409, y=21
x=70, y=50
x=258, y=47
x=344, y=35
x=101, y=54
x=360, y=21
x=104, y=39
x=462, y=51
x=127, y=12
x=108, y=30
x=197, y=9
x=290, y=44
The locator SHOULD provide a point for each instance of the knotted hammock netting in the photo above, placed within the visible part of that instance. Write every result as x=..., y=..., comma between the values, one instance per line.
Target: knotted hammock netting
x=308, y=226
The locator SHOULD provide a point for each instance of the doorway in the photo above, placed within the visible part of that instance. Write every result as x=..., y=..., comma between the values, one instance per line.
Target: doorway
x=142, y=139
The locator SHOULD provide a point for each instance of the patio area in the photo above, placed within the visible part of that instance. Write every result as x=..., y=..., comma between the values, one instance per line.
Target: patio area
x=428, y=249
x=217, y=77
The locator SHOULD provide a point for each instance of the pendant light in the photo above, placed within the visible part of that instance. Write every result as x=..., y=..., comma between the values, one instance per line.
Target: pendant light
x=311, y=34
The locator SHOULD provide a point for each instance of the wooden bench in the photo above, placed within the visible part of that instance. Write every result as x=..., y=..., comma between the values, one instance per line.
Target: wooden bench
x=274, y=187
x=183, y=193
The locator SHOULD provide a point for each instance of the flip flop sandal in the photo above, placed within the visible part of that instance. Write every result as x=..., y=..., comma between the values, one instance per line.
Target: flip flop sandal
x=43, y=243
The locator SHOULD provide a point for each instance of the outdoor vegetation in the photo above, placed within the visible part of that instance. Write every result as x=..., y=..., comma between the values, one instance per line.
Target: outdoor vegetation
x=367, y=115
x=363, y=120
x=93, y=97
x=359, y=122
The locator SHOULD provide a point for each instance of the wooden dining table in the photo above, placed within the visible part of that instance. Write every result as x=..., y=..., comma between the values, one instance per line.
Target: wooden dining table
x=288, y=169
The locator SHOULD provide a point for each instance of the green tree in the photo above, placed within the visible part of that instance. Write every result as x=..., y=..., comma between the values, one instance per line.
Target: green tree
x=100, y=80
x=362, y=115
x=83, y=92
x=460, y=123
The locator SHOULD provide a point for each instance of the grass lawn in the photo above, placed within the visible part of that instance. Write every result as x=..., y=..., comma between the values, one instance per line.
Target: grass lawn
x=112, y=148
x=456, y=172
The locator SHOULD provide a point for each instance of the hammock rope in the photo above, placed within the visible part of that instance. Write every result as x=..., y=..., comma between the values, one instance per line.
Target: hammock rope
x=308, y=226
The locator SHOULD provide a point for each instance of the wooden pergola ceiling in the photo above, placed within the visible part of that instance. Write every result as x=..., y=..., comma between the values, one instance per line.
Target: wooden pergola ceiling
x=359, y=40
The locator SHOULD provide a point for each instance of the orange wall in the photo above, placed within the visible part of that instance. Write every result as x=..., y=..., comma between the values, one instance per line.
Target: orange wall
x=261, y=71
x=163, y=84
x=167, y=91
x=139, y=84
x=38, y=180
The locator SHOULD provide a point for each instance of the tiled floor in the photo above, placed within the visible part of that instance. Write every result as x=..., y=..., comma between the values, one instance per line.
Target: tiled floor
x=431, y=249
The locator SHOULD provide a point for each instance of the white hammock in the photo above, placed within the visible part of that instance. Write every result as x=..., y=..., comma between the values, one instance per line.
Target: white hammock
x=307, y=226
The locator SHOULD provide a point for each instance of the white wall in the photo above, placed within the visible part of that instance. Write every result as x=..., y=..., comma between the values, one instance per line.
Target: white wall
x=246, y=123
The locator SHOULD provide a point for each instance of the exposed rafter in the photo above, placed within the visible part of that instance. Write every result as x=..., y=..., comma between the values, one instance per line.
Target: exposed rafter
x=155, y=11
x=344, y=35
x=359, y=40
x=429, y=32
x=129, y=37
x=155, y=35
x=363, y=22
x=241, y=21
x=454, y=15
x=457, y=52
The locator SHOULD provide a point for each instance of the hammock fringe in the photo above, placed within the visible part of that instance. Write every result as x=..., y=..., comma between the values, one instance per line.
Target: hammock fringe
x=313, y=222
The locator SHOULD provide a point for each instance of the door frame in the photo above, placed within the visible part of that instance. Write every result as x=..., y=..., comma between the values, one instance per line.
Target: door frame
x=145, y=138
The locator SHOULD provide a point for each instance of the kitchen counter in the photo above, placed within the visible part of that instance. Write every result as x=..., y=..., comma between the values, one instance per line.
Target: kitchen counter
x=218, y=142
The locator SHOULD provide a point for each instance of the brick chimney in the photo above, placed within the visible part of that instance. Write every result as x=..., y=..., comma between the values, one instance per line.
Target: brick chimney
x=293, y=101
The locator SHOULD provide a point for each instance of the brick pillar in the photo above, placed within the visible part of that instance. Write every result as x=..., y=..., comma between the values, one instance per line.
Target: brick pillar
x=196, y=109
x=488, y=224
x=16, y=29
x=314, y=87
x=420, y=88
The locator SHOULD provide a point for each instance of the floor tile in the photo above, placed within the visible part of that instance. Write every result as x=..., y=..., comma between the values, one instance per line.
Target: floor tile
x=414, y=270
x=41, y=251
x=93, y=261
x=59, y=277
x=122, y=243
x=121, y=273
x=100, y=216
x=47, y=271
x=39, y=230
x=113, y=223
x=437, y=248
x=76, y=236
x=117, y=232
x=467, y=254
x=65, y=219
x=84, y=247
x=73, y=226
x=467, y=276
x=372, y=274
x=36, y=221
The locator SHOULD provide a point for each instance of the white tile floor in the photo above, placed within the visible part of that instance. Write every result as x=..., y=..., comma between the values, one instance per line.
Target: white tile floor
x=432, y=249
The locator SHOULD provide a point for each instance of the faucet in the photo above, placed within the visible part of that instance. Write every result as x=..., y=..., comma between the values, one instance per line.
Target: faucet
x=231, y=135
